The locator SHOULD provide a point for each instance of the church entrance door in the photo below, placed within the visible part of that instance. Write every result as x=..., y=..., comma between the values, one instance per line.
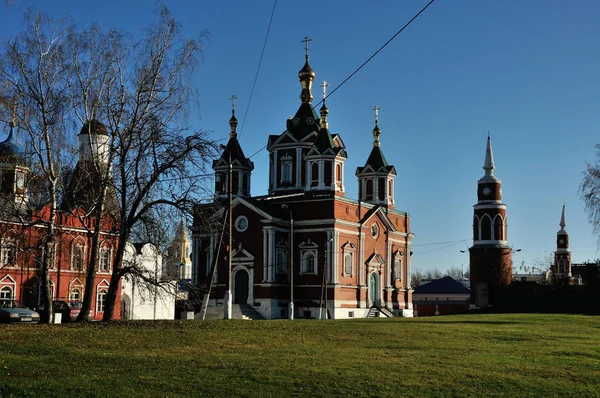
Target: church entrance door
x=240, y=292
x=373, y=289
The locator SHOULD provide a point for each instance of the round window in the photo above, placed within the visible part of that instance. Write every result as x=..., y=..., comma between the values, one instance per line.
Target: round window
x=241, y=223
x=374, y=230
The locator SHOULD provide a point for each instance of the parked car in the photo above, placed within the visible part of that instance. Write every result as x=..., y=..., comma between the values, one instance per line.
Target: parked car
x=69, y=309
x=14, y=311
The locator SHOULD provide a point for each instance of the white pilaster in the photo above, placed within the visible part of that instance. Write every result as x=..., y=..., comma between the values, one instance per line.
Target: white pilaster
x=375, y=189
x=388, y=264
x=336, y=256
x=265, y=275
x=386, y=196
x=361, y=261
x=321, y=174
x=298, y=167
x=342, y=178
x=271, y=254
x=275, y=167
x=239, y=187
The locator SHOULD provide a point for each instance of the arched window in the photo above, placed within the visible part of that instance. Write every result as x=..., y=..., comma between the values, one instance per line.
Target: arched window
x=6, y=292
x=309, y=263
x=101, y=300
x=75, y=294
x=475, y=228
x=486, y=227
x=369, y=190
x=398, y=267
x=338, y=173
x=77, y=255
x=314, y=174
x=348, y=264
x=104, y=261
x=9, y=251
x=245, y=187
x=286, y=172
x=282, y=261
x=498, y=227
x=390, y=190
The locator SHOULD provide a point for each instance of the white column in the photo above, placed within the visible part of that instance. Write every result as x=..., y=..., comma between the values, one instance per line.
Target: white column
x=251, y=286
x=271, y=254
x=392, y=199
x=328, y=262
x=385, y=190
x=308, y=175
x=375, y=189
x=321, y=174
x=335, y=247
x=388, y=265
x=342, y=178
x=239, y=190
x=333, y=183
x=361, y=260
x=298, y=168
x=275, y=168
x=407, y=261
x=265, y=275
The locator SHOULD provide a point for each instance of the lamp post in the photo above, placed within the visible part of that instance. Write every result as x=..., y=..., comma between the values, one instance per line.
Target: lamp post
x=291, y=305
x=228, y=297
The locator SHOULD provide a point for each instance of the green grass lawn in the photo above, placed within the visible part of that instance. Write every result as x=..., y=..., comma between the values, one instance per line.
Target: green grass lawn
x=467, y=355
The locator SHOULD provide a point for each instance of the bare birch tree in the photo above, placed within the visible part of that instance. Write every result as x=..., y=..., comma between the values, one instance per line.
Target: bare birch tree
x=590, y=192
x=34, y=70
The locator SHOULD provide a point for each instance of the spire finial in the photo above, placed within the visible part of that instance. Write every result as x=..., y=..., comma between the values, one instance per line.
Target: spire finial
x=563, y=218
x=305, y=41
x=233, y=98
x=377, y=109
x=324, y=86
x=376, y=130
x=233, y=121
x=488, y=164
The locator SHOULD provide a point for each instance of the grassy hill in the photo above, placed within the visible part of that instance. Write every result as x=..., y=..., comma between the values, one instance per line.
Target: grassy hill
x=477, y=355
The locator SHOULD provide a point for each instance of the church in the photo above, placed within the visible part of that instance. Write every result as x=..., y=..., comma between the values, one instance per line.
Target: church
x=304, y=249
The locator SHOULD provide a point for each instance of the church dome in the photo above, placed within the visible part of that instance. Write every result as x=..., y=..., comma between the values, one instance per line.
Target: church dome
x=306, y=73
x=10, y=151
x=93, y=127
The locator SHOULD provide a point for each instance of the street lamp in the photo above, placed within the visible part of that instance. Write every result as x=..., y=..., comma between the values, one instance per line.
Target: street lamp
x=291, y=306
x=228, y=298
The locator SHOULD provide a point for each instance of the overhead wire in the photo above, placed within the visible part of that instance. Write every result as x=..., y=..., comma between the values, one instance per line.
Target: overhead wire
x=258, y=68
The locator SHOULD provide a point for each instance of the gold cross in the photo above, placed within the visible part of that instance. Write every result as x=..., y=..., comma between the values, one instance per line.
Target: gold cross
x=324, y=86
x=377, y=109
x=233, y=98
x=305, y=41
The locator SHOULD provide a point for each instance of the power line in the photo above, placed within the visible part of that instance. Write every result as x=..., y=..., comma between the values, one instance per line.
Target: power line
x=258, y=68
x=439, y=248
x=377, y=52
x=442, y=243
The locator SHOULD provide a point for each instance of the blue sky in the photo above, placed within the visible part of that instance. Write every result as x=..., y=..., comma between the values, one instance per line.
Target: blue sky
x=526, y=70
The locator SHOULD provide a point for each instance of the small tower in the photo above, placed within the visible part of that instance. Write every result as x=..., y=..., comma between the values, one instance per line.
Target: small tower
x=325, y=160
x=490, y=255
x=84, y=187
x=179, y=263
x=561, y=269
x=376, y=178
x=241, y=166
x=14, y=200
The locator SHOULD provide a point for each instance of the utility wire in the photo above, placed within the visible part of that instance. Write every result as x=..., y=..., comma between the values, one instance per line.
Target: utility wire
x=258, y=68
x=377, y=52
x=442, y=243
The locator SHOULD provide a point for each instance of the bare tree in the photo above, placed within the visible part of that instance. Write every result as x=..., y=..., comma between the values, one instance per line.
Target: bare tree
x=34, y=70
x=455, y=272
x=590, y=192
x=159, y=161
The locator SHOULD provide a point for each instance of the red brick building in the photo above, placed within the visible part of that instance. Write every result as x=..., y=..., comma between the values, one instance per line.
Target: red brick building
x=22, y=230
x=490, y=255
x=351, y=254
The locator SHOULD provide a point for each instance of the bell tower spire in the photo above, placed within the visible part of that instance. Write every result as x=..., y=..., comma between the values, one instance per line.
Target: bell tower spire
x=561, y=269
x=490, y=255
x=306, y=76
x=233, y=122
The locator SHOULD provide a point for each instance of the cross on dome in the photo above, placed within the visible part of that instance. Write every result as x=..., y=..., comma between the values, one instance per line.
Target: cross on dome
x=305, y=41
x=233, y=98
x=324, y=86
x=377, y=109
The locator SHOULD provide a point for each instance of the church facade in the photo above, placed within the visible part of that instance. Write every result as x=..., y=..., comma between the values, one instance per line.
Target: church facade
x=305, y=242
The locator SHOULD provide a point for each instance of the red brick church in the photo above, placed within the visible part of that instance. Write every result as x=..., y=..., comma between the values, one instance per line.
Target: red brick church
x=305, y=238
